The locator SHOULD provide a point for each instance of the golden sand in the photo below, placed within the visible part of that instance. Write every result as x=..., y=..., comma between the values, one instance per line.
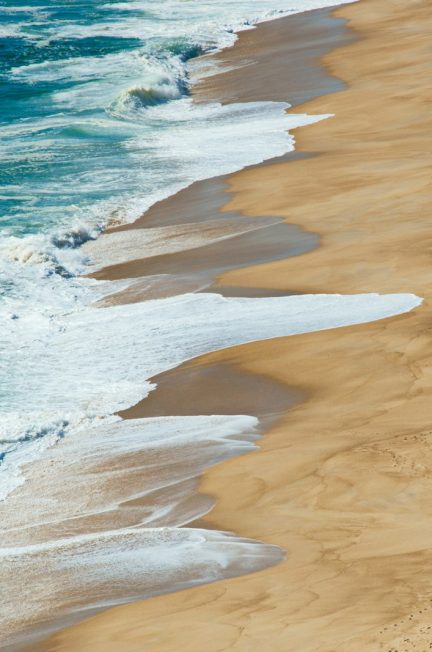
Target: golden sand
x=344, y=482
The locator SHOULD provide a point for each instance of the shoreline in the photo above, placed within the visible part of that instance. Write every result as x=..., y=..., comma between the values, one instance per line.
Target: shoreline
x=341, y=584
x=203, y=205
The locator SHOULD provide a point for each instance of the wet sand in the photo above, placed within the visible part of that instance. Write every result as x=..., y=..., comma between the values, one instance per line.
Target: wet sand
x=343, y=481
x=277, y=64
x=188, y=264
x=197, y=388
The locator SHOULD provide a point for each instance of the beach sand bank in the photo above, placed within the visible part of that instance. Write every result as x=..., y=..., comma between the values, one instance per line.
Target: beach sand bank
x=342, y=482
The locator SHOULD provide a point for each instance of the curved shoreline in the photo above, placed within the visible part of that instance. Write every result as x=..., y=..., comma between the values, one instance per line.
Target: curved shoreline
x=204, y=205
x=353, y=571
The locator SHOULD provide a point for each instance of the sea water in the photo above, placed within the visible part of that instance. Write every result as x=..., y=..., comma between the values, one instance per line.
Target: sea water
x=96, y=125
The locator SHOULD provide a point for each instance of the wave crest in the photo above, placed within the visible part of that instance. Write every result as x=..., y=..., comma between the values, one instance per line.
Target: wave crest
x=137, y=98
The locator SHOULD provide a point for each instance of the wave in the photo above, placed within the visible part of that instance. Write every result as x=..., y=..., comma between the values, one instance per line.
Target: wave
x=54, y=253
x=136, y=98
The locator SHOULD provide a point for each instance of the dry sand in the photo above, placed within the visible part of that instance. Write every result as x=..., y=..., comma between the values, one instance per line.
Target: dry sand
x=344, y=481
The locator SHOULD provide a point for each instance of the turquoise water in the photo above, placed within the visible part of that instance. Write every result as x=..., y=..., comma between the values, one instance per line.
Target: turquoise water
x=64, y=147
x=75, y=78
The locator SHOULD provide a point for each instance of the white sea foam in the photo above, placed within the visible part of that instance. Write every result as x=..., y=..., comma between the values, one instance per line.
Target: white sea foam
x=117, y=567
x=88, y=364
x=172, y=136
x=123, y=246
x=98, y=470
x=205, y=23
x=9, y=31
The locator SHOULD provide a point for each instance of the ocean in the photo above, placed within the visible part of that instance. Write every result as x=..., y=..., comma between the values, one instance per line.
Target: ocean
x=96, y=125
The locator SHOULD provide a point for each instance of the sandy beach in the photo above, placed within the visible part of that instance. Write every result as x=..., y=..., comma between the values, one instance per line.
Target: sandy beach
x=342, y=480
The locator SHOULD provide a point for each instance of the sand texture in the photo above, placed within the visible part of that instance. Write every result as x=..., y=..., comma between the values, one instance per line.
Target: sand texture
x=343, y=481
